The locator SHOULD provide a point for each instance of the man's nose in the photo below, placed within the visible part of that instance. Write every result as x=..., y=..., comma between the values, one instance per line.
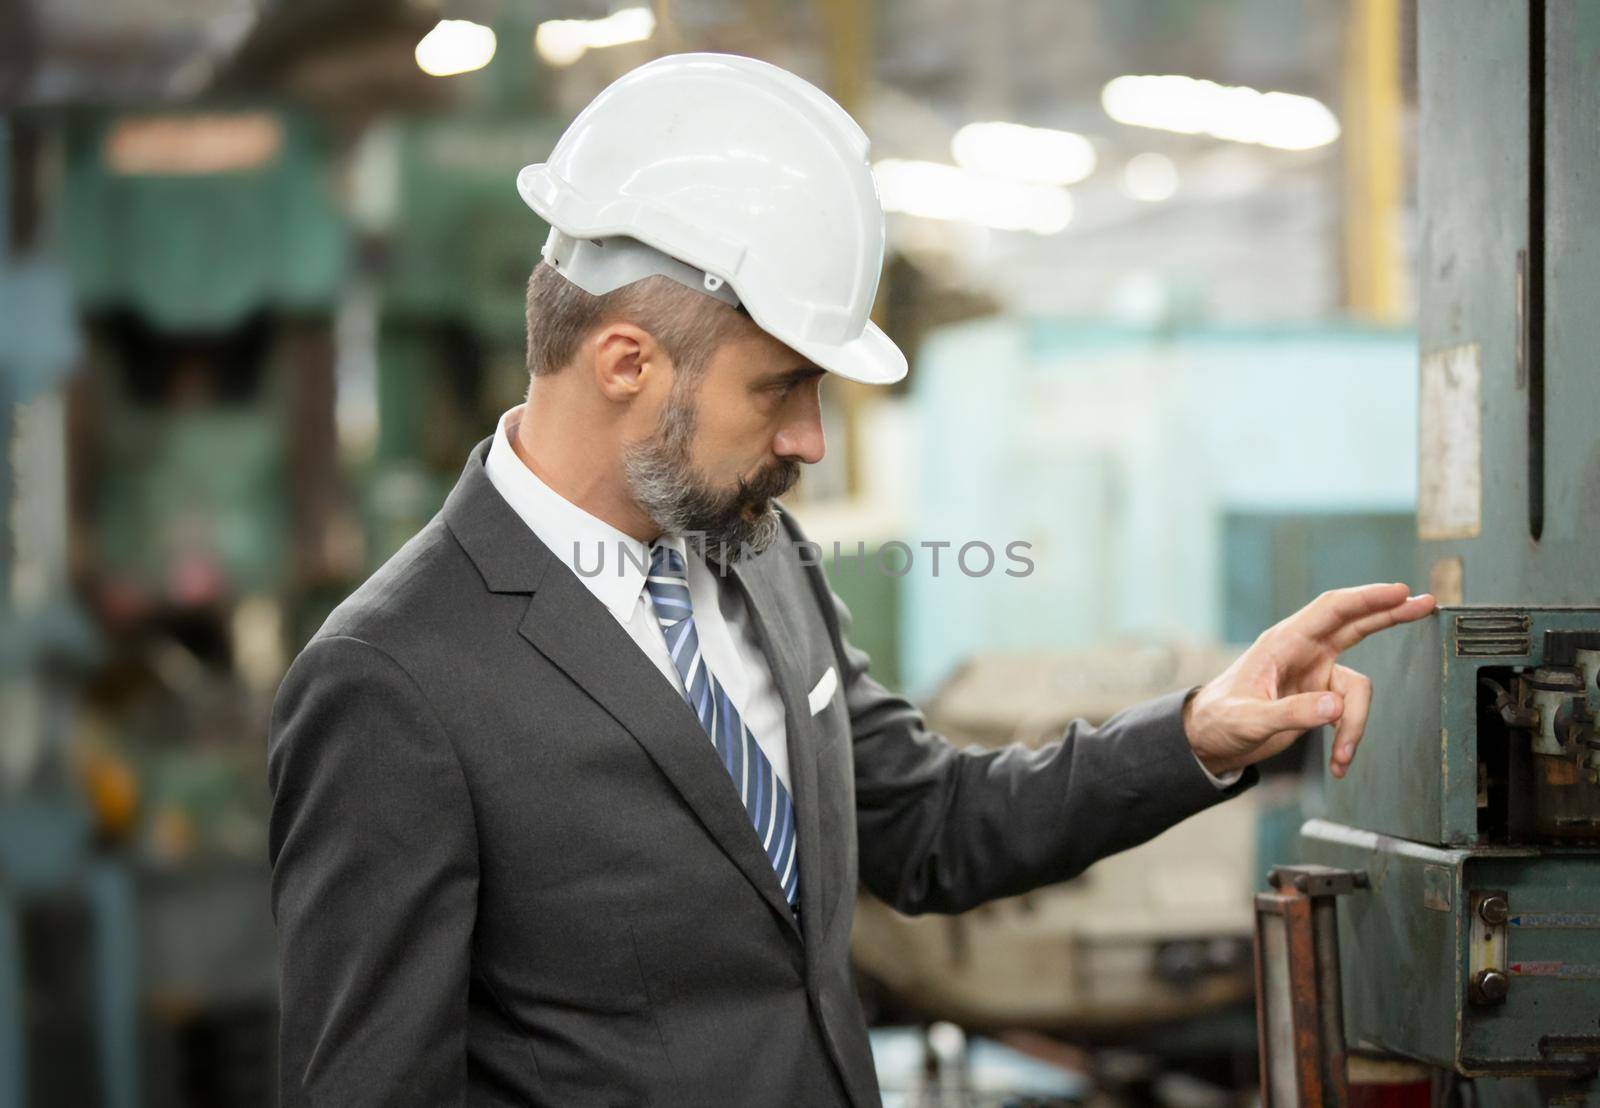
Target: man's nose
x=802, y=436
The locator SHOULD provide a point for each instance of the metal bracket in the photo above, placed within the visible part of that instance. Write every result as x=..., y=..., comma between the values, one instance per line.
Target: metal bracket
x=1318, y=880
x=1299, y=1010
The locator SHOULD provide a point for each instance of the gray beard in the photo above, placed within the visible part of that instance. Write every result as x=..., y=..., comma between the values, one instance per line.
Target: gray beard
x=665, y=485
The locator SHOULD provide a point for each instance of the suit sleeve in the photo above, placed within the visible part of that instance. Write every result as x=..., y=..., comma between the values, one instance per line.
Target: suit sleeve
x=374, y=884
x=942, y=829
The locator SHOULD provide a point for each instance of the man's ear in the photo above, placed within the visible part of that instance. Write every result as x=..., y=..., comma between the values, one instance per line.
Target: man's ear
x=627, y=359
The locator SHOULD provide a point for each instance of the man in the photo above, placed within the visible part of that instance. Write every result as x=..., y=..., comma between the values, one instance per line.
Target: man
x=572, y=798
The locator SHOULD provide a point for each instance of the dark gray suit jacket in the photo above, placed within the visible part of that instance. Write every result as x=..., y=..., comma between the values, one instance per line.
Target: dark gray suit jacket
x=509, y=868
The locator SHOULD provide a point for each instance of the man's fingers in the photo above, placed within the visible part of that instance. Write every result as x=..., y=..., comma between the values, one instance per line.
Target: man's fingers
x=1414, y=607
x=1300, y=712
x=1356, y=688
x=1331, y=612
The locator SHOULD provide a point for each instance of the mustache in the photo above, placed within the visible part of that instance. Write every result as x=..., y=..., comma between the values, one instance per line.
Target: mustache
x=771, y=482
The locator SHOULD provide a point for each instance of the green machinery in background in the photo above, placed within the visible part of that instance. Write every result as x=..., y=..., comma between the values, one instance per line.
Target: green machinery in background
x=449, y=246
x=46, y=645
x=1468, y=831
x=207, y=256
x=452, y=273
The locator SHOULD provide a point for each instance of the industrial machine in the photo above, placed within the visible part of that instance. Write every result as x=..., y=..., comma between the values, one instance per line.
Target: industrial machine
x=1451, y=914
x=206, y=255
x=1473, y=812
x=453, y=251
x=446, y=248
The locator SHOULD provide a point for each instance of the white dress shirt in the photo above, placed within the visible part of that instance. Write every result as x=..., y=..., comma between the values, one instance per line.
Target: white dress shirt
x=612, y=565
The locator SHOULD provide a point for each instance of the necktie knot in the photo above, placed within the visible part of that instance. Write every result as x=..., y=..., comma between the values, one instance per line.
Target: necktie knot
x=666, y=562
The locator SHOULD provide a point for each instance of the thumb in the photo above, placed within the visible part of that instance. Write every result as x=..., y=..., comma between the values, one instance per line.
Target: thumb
x=1300, y=712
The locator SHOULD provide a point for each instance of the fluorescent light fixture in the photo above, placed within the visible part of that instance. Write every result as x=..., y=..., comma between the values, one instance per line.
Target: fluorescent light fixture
x=564, y=41
x=1150, y=177
x=455, y=46
x=1037, y=155
x=935, y=191
x=1191, y=107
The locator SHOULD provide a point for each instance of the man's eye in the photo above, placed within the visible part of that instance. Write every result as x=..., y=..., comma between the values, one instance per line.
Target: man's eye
x=784, y=390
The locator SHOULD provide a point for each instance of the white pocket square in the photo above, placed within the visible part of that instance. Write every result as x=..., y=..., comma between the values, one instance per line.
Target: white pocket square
x=817, y=699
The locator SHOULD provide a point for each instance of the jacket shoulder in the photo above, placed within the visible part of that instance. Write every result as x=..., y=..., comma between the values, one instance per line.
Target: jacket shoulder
x=421, y=593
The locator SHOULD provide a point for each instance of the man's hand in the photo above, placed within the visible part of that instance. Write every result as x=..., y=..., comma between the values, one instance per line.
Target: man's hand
x=1290, y=681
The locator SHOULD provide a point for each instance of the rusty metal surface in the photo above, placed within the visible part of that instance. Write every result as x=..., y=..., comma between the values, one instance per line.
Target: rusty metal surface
x=1310, y=964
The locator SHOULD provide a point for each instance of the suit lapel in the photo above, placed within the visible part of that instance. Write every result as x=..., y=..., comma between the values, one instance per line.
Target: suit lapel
x=755, y=578
x=570, y=627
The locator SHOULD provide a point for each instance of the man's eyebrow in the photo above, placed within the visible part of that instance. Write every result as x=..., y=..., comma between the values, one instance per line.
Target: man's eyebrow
x=787, y=376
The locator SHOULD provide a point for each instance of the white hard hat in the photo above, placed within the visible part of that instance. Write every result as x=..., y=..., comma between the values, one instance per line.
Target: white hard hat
x=734, y=177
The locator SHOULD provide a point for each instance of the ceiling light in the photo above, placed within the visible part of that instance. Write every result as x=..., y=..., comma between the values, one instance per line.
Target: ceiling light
x=1034, y=154
x=1150, y=177
x=935, y=191
x=564, y=41
x=1192, y=107
x=455, y=46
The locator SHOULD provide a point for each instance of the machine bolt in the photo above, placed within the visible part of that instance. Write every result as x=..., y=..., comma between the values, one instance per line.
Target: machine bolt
x=1494, y=910
x=1491, y=986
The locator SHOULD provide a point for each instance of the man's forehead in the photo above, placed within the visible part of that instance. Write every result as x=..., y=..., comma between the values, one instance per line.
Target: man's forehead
x=760, y=360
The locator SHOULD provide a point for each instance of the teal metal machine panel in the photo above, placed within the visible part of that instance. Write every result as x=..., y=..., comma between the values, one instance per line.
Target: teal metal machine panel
x=1396, y=941
x=1412, y=936
x=1473, y=186
x=1567, y=556
x=1553, y=955
x=1510, y=261
x=1419, y=775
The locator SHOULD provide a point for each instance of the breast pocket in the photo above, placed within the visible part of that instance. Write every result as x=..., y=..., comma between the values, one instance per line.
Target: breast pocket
x=823, y=692
x=829, y=721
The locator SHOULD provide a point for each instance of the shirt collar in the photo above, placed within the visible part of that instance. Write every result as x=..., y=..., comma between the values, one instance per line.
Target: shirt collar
x=611, y=564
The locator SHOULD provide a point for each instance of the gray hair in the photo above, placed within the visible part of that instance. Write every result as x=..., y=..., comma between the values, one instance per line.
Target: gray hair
x=689, y=325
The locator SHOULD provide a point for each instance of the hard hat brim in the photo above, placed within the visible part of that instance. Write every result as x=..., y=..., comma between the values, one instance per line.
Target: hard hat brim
x=872, y=359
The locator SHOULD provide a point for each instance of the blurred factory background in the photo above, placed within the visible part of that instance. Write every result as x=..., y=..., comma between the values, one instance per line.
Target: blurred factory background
x=261, y=289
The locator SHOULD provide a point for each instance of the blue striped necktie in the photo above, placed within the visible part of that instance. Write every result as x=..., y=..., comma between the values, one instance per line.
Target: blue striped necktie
x=765, y=799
